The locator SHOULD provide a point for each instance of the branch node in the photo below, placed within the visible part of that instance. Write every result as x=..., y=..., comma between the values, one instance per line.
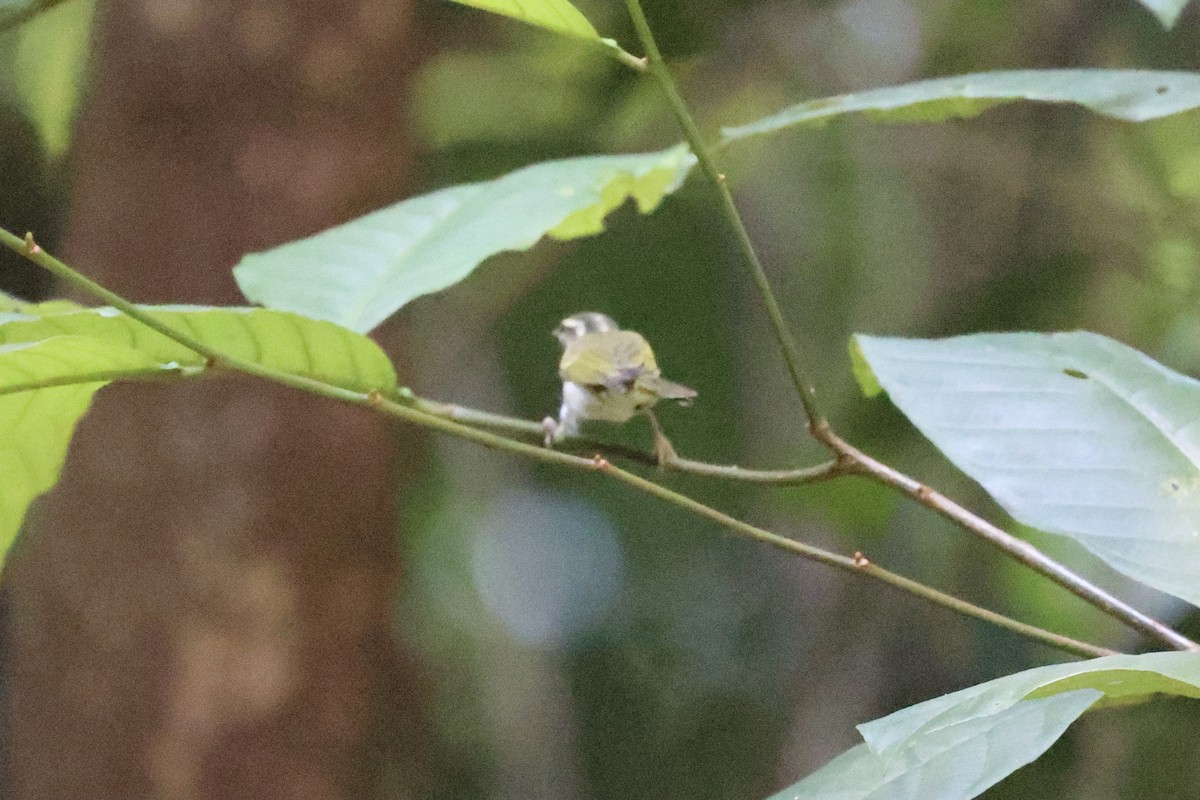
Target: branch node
x=924, y=493
x=600, y=462
x=860, y=560
x=375, y=399
x=31, y=247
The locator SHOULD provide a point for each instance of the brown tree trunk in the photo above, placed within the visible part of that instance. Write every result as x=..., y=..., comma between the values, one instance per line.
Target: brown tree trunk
x=202, y=607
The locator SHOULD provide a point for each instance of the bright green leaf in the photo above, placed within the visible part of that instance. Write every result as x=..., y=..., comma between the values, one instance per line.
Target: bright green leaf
x=1071, y=433
x=1167, y=11
x=275, y=339
x=45, y=387
x=51, y=53
x=55, y=356
x=956, y=746
x=360, y=273
x=1129, y=95
x=555, y=15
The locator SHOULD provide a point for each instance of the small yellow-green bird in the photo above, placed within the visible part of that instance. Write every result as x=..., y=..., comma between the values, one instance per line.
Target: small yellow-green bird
x=609, y=374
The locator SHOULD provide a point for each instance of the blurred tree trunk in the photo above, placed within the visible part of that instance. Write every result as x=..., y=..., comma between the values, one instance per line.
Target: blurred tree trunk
x=202, y=609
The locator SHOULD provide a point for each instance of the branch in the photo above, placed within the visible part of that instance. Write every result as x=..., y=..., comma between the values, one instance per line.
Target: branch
x=34, y=252
x=580, y=444
x=858, y=564
x=1015, y=548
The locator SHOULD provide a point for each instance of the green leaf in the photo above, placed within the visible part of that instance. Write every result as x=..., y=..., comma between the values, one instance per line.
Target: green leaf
x=1167, y=11
x=951, y=764
x=51, y=53
x=45, y=387
x=1129, y=95
x=954, y=747
x=1071, y=433
x=555, y=15
x=55, y=356
x=275, y=339
x=360, y=273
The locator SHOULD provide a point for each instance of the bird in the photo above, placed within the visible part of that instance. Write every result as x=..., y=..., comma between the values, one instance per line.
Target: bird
x=609, y=374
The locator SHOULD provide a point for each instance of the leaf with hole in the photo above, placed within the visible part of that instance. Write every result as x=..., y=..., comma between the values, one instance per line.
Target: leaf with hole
x=360, y=273
x=1072, y=433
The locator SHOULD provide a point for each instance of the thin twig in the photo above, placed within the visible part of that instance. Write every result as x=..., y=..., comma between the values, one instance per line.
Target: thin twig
x=783, y=335
x=578, y=444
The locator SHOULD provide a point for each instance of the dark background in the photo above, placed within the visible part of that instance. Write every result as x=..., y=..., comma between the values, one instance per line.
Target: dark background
x=240, y=592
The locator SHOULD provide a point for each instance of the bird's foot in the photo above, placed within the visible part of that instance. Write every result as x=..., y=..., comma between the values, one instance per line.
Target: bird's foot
x=664, y=451
x=552, y=430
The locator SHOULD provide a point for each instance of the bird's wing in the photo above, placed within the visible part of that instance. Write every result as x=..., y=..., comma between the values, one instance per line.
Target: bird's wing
x=613, y=359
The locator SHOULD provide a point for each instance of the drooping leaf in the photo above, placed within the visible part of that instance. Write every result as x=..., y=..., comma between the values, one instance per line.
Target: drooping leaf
x=360, y=273
x=1167, y=11
x=1129, y=95
x=276, y=339
x=955, y=746
x=45, y=387
x=555, y=15
x=51, y=53
x=1071, y=433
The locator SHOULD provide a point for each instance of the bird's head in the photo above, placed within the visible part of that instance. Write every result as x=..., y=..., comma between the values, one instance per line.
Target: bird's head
x=583, y=323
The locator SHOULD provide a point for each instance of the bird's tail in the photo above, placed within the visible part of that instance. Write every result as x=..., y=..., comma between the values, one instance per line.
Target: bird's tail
x=668, y=390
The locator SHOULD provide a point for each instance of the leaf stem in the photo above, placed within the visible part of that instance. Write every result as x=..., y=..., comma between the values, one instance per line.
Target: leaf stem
x=787, y=345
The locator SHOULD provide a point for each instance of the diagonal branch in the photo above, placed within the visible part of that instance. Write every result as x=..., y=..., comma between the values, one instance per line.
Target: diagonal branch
x=857, y=564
